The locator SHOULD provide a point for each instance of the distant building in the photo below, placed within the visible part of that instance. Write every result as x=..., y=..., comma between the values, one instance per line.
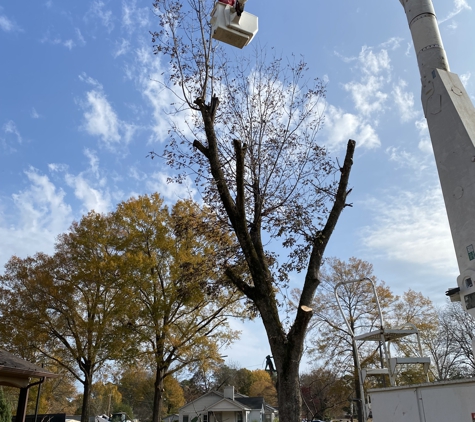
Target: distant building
x=227, y=406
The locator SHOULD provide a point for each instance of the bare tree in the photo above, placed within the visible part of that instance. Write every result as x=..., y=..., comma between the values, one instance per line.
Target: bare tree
x=261, y=167
x=331, y=339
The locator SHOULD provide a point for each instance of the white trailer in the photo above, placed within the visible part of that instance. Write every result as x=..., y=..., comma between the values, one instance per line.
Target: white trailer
x=446, y=401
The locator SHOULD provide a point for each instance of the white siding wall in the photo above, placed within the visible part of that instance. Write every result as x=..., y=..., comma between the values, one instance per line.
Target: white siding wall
x=198, y=406
x=255, y=416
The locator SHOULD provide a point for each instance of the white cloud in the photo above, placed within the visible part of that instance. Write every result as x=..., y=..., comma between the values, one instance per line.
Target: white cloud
x=149, y=75
x=158, y=182
x=79, y=36
x=403, y=158
x=459, y=6
x=345, y=59
x=57, y=167
x=34, y=114
x=122, y=48
x=464, y=78
x=57, y=40
x=404, y=101
x=100, y=118
x=392, y=44
x=98, y=11
x=91, y=186
x=8, y=25
x=40, y=214
x=91, y=81
x=134, y=17
x=367, y=92
x=367, y=95
x=69, y=44
x=340, y=126
x=411, y=227
x=10, y=128
x=425, y=144
x=91, y=198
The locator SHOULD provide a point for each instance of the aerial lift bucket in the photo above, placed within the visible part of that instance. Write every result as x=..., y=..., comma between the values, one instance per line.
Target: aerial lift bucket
x=229, y=27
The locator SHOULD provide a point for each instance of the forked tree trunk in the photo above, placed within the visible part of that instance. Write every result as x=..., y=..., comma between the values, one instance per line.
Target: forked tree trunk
x=286, y=346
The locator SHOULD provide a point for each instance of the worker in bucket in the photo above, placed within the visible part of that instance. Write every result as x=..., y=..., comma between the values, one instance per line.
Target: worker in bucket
x=238, y=5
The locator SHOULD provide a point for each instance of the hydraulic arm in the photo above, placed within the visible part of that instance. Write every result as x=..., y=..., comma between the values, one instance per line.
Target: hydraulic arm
x=451, y=120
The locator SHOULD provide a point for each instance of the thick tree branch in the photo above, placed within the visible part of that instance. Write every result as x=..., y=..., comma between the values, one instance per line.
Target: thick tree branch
x=311, y=279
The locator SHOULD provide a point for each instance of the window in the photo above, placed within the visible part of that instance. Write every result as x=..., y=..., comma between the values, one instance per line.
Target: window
x=204, y=417
x=238, y=416
x=185, y=418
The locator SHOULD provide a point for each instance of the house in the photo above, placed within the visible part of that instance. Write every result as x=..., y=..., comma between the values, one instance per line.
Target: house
x=228, y=406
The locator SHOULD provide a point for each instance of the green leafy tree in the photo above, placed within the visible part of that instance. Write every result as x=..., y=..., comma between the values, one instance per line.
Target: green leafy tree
x=135, y=383
x=250, y=137
x=5, y=410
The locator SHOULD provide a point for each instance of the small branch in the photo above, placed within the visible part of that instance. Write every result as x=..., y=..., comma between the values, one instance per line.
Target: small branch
x=240, y=283
x=201, y=148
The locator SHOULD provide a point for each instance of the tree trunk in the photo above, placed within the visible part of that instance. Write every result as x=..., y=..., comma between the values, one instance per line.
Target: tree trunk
x=158, y=396
x=86, y=398
x=288, y=393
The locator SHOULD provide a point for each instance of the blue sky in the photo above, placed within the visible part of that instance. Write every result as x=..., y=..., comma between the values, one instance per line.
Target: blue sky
x=80, y=108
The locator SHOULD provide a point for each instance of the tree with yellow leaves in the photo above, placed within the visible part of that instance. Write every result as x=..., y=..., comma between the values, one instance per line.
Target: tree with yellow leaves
x=143, y=282
x=174, y=262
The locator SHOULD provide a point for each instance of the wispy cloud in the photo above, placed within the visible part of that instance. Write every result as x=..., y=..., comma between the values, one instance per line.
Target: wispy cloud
x=341, y=126
x=411, y=227
x=147, y=71
x=459, y=6
x=100, y=118
x=404, y=101
x=134, y=17
x=367, y=92
x=10, y=137
x=98, y=11
x=90, y=186
x=34, y=114
x=37, y=215
x=158, y=182
x=10, y=128
x=49, y=38
x=122, y=48
x=7, y=24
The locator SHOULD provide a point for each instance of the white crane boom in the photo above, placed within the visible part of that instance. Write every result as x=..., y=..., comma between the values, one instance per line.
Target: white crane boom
x=451, y=120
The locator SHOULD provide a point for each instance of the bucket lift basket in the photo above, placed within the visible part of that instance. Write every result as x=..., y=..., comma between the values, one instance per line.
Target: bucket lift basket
x=228, y=27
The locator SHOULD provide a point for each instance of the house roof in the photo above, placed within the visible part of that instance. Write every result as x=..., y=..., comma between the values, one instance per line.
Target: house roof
x=209, y=393
x=16, y=372
x=227, y=405
x=251, y=402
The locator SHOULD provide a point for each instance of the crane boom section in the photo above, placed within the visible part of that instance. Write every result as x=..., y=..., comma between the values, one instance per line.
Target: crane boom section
x=450, y=118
